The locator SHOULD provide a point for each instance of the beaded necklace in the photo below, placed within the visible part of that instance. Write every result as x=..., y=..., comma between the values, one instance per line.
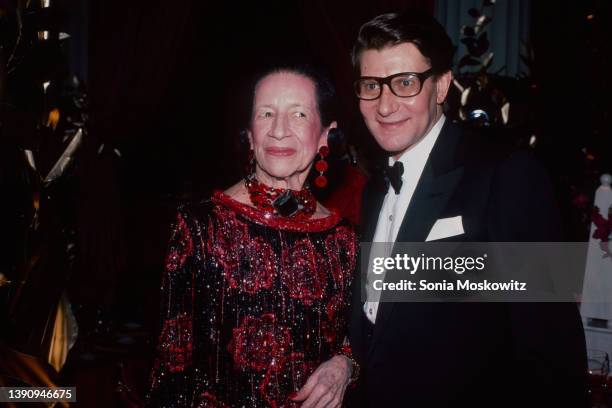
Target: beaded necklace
x=299, y=205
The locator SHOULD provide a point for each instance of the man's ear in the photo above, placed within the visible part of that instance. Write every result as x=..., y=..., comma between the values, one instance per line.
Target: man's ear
x=325, y=134
x=442, y=85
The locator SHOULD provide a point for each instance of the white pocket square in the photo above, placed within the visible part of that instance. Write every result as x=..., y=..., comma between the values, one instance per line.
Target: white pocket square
x=445, y=228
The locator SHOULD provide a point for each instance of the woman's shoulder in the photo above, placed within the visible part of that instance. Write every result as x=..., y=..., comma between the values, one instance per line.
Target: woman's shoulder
x=198, y=213
x=194, y=211
x=347, y=227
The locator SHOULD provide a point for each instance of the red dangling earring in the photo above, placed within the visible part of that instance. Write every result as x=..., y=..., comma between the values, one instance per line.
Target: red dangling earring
x=249, y=169
x=321, y=166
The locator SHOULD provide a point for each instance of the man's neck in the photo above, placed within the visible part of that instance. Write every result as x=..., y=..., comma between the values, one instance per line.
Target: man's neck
x=413, y=146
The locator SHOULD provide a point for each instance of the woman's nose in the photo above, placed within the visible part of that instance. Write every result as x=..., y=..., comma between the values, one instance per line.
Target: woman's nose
x=280, y=127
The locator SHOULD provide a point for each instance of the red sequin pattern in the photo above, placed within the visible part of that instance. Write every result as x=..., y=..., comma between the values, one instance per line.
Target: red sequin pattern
x=184, y=246
x=300, y=272
x=252, y=304
x=260, y=343
x=177, y=343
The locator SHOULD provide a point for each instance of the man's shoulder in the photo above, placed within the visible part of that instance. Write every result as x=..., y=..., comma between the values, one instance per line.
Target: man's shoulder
x=496, y=148
x=483, y=146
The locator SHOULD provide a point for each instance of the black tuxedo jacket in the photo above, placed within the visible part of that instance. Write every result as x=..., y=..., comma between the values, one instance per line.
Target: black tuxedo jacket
x=470, y=354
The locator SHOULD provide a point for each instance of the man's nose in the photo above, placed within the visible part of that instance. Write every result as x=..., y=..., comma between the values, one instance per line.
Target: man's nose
x=280, y=127
x=387, y=103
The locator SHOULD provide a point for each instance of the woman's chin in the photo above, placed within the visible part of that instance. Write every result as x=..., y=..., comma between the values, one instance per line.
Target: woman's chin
x=278, y=173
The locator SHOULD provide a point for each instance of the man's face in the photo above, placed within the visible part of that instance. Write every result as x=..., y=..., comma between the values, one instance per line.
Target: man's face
x=398, y=123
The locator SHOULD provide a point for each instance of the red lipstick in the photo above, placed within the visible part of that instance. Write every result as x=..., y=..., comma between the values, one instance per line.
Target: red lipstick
x=280, y=151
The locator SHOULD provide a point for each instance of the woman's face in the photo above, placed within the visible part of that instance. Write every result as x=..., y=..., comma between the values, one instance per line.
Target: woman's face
x=286, y=130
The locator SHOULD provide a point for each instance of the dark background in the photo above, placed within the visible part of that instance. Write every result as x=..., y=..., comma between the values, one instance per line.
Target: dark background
x=168, y=88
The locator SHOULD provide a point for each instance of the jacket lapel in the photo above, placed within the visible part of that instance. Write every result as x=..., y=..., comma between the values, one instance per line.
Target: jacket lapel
x=439, y=179
x=430, y=198
x=373, y=197
x=372, y=200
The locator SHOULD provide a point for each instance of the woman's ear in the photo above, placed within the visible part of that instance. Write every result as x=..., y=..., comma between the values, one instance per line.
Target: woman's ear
x=246, y=137
x=325, y=134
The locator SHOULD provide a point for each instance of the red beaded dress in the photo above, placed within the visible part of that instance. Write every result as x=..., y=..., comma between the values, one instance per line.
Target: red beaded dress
x=252, y=303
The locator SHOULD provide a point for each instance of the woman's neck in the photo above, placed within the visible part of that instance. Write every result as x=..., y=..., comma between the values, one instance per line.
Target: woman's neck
x=294, y=182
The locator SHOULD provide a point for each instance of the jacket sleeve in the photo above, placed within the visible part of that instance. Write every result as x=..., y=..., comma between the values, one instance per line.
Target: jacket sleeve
x=172, y=383
x=549, y=352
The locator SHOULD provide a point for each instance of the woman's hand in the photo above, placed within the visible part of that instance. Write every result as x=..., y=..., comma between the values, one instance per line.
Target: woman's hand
x=326, y=385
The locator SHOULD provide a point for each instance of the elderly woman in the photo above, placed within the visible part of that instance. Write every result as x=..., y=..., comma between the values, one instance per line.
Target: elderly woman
x=258, y=277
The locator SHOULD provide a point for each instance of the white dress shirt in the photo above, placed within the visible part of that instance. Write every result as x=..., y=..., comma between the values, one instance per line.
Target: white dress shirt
x=395, y=205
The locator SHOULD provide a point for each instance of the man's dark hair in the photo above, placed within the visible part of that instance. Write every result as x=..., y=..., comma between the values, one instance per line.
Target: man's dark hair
x=325, y=91
x=415, y=27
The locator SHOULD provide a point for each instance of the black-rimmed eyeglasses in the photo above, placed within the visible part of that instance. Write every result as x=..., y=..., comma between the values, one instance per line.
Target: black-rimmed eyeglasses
x=403, y=84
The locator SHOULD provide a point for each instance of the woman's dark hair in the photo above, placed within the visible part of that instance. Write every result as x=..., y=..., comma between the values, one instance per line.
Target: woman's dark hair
x=415, y=27
x=325, y=91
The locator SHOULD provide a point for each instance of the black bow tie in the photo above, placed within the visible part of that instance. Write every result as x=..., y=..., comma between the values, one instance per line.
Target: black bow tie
x=393, y=175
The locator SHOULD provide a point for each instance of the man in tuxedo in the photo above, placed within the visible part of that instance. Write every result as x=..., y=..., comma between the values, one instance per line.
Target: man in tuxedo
x=442, y=183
